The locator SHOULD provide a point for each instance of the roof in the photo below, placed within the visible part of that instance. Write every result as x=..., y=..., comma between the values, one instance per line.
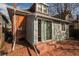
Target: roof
x=18, y=11
x=76, y=21
x=33, y=7
x=45, y=4
x=52, y=18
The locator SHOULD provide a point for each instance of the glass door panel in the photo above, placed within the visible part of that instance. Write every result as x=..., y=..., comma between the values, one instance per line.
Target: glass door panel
x=48, y=30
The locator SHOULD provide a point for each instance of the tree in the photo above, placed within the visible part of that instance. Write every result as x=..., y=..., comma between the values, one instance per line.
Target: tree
x=61, y=10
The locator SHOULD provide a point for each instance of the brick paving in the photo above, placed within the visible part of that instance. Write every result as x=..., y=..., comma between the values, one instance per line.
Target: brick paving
x=49, y=48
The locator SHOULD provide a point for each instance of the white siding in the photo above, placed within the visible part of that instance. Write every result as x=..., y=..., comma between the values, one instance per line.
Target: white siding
x=43, y=30
x=32, y=30
x=67, y=30
x=43, y=7
x=35, y=31
x=57, y=33
x=53, y=31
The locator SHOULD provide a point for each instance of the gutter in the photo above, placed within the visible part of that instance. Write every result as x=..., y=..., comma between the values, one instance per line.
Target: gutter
x=27, y=12
x=39, y=15
x=52, y=18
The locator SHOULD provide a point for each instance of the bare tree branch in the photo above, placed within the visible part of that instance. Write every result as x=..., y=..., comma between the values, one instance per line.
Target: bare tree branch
x=62, y=9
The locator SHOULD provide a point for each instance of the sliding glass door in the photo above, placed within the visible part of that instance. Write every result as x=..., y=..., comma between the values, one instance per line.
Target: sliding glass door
x=44, y=30
x=48, y=30
x=39, y=30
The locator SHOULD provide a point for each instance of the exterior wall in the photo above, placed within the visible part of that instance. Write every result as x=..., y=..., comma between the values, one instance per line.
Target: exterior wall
x=74, y=29
x=53, y=31
x=67, y=31
x=20, y=26
x=57, y=33
x=42, y=5
x=35, y=31
x=30, y=29
x=43, y=30
x=76, y=25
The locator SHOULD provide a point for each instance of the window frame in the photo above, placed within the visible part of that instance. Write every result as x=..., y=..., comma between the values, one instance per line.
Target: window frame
x=63, y=27
x=45, y=9
x=39, y=8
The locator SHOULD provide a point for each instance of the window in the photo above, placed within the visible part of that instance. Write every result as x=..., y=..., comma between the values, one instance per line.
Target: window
x=63, y=27
x=42, y=8
x=48, y=30
x=45, y=9
x=39, y=7
x=39, y=30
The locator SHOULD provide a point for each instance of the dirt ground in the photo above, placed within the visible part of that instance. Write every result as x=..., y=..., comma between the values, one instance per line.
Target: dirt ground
x=59, y=48
x=48, y=48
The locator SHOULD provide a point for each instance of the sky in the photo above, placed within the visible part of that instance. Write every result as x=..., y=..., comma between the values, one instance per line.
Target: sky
x=77, y=11
x=28, y=5
x=21, y=5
